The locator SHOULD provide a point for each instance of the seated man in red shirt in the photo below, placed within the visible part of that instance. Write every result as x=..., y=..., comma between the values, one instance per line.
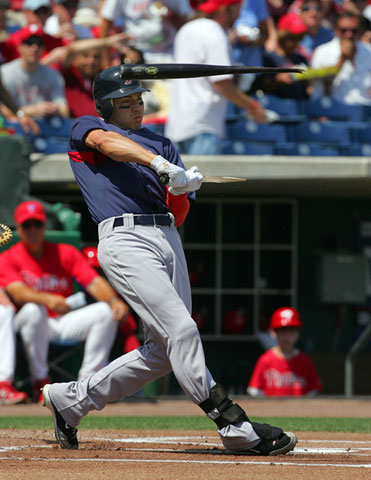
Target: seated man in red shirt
x=283, y=370
x=38, y=277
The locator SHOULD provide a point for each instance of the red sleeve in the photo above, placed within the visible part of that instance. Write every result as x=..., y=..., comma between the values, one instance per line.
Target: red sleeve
x=76, y=265
x=178, y=206
x=8, y=273
x=257, y=377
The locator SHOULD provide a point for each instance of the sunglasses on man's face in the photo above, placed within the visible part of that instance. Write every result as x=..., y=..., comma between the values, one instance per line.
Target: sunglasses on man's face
x=307, y=8
x=42, y=11
x=32, y=223
x=345, y=30
x=34, y=41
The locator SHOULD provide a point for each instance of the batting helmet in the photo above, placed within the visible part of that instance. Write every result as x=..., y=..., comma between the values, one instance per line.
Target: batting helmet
x=91, y=255
x=108, y=84
x=285, y=317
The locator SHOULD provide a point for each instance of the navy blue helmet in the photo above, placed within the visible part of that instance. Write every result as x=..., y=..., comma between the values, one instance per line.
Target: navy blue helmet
x=108, y=84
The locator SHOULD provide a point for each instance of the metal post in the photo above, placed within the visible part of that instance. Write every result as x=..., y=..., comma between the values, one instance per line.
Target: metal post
x=349, y=359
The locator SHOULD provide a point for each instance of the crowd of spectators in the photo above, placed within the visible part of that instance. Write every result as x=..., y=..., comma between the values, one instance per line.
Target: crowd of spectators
x=50, y=50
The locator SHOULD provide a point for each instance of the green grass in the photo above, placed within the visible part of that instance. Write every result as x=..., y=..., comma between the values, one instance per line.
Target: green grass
x=318, y=424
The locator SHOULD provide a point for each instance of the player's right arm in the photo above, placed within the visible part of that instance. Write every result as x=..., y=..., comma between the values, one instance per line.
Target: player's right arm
x=22, y=294
x=118, y=147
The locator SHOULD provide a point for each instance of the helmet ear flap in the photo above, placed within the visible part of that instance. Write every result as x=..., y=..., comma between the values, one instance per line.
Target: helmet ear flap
x=104, y=108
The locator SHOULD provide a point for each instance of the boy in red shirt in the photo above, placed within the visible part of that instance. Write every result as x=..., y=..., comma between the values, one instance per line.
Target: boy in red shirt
x=283, y=370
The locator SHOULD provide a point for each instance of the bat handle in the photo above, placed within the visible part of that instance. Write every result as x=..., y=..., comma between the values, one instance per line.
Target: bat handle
x=164, y=178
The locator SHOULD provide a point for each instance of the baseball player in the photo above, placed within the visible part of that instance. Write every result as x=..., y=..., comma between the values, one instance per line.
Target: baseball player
x=283, y=370
x=38, y=275
x=118, y=166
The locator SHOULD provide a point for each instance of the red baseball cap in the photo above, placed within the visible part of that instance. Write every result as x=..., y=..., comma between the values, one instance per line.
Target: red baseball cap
x=211, y=6
x=291, y=22
x=30, y=210
x=285, y=317
x=91, y=255
x=29, y=31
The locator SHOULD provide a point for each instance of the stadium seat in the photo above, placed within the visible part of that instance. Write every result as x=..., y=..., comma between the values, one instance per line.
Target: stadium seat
x=49, y=145
x=247, y=130
x=306, y=149
x=55, y=126
x=240, y=147
x=358, y=150
x=321, y=132
x=333, y=109
x=364, y=134
x=283, y=106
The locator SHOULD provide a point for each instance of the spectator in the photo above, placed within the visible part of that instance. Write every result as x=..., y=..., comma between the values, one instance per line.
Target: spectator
x=13, y=113
x=151, y=24
x=61, y=23
x=352, y=83
x=128, y=327
x=36, y=13
x=330, y=10
x=38, y=277
x=283, y=370
x=253, y=29
x=291, y=30
x=39, y=90
x=312, y=15
x=278, y=8
x=79, y=72
x=197, y=112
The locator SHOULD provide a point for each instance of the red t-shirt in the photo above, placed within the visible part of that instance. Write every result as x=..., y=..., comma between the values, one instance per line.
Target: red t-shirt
x=277, y=376
x=79, y=92
x=53, y=273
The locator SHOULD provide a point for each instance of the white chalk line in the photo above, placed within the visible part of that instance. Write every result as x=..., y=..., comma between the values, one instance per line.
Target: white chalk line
x=208, y=462
x=195, y=441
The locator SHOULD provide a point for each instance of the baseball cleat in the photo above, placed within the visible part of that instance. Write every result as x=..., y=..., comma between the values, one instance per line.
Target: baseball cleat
x=64, y=433
x=281, y=445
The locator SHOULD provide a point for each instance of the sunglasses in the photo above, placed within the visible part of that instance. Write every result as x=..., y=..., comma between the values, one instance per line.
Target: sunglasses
x=34, y=41
x=310, y=7
x=32, y=223
x=42, y=11
x=345, y=30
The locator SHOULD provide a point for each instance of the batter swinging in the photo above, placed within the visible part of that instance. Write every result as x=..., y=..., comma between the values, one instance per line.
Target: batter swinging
x=117, y=165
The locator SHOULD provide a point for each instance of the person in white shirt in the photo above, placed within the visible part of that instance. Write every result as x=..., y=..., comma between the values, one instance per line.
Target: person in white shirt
x=352, y=83
x=198, y=106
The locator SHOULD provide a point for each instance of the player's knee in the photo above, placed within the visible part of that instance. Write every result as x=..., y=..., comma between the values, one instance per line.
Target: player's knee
x=35, y=313
x=104, y=313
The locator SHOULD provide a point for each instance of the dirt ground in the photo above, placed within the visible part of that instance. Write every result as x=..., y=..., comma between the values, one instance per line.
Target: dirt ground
x=183, y=455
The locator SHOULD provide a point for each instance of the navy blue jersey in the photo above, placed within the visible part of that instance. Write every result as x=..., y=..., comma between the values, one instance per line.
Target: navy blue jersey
x=111, y=188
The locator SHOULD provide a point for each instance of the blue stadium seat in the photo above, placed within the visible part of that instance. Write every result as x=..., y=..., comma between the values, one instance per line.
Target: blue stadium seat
x=358, y=150
x=321, y=132
x=283, y=106
x=306, y=149
x=49, y=145
x=334, y=109
x=364, y=134
x=241, y=147
x=55, y=126
x=247, y=130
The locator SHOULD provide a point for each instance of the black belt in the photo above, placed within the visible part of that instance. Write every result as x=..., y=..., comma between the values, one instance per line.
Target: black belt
x=159, y=219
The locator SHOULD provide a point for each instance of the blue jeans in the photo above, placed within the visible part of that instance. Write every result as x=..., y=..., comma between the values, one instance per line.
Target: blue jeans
x=202, y=144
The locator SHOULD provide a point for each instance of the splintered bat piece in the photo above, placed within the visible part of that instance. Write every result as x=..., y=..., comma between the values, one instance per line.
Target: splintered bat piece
x=164, y=178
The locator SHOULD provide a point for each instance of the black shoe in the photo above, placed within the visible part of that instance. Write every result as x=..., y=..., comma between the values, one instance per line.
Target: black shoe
x=281, y=445
x=274, y=441
x=64, y=433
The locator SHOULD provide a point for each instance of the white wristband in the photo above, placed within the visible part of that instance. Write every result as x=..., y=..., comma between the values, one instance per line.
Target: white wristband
x=20, y=113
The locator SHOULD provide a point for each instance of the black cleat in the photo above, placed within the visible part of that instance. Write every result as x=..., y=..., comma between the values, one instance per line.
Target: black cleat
x=281, y=445
x=274, y=441
x=64, y=433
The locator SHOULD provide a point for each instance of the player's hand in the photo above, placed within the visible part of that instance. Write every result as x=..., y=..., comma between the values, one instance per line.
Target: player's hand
x=120, y=309
x=57, y=303
x=195, y=179
x=177, y=175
